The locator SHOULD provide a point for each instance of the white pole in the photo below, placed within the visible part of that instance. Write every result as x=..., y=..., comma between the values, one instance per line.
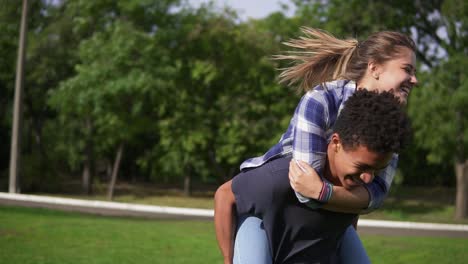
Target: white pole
x=17, y=107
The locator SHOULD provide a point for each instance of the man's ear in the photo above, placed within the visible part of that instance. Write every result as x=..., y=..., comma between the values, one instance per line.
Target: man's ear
x=336, y=142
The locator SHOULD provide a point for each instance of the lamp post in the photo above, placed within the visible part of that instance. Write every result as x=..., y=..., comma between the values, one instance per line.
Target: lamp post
x=17, y=107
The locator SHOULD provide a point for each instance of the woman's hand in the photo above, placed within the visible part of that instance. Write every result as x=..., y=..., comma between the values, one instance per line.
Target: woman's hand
x=304, y=179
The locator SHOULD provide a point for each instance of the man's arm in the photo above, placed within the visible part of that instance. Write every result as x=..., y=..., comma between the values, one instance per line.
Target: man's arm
x=224, y=219
x=362, y=199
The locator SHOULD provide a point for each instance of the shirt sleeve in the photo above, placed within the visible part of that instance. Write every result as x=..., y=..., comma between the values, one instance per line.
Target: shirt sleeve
x=380, y=186
x=309, y=141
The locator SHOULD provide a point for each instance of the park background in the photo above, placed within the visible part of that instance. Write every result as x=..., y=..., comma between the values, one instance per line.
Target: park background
x=168, y=98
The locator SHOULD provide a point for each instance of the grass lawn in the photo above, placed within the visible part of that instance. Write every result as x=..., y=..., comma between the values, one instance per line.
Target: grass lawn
x=45, y=236
x=38, y=236
x=415, y=250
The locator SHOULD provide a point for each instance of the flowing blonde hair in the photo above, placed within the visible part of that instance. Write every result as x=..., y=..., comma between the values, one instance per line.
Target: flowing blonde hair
x=320, y=57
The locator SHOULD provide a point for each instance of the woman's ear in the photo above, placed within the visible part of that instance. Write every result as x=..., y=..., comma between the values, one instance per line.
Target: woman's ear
x=374, y=69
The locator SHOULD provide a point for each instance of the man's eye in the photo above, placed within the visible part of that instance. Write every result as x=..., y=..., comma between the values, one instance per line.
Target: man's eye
x=356, y=178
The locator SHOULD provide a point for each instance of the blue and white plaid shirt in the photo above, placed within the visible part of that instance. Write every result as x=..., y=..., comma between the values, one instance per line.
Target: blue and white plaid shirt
x=307, y=138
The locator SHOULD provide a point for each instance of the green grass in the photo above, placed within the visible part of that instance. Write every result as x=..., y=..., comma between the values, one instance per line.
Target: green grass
x=42, y=236
x=39, y=236
x=414, y=250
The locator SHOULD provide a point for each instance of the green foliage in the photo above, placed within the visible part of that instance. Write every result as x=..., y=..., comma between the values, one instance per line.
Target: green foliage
x=223, y=109
x=115, y=89
x=444, y=101
x=193, y=91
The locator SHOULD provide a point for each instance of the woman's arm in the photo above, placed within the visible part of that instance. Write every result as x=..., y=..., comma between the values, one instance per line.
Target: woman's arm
x=224, y=219
x=354, y=201
x=309, y=143
x=305, y=180
x=367, y=198
x=362, y=199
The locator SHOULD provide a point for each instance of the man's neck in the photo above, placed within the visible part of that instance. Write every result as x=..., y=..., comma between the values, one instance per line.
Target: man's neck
x=328, y=174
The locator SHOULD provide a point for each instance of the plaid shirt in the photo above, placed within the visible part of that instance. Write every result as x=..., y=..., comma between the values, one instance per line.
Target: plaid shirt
x=307, y=134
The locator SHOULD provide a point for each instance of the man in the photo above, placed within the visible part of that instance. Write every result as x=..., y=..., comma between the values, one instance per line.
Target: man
x=369, y=130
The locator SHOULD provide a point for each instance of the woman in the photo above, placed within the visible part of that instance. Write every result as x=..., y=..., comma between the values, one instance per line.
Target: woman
x=385, y=61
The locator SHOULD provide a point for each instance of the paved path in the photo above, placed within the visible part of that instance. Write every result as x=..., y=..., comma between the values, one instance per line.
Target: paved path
x=366, y=227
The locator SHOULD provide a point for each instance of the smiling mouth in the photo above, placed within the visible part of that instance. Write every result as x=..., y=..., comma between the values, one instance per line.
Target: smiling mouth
x=405, y=89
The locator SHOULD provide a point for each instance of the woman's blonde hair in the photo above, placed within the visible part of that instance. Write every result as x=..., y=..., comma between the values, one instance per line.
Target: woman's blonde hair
x=321, y=57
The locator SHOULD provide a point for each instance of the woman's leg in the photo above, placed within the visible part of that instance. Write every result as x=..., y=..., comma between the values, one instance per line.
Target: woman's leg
x=351, y=250
x=251, y=244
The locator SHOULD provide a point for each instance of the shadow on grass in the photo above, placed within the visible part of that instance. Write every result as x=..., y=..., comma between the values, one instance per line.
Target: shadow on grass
x=138, y=190
x=412, y=206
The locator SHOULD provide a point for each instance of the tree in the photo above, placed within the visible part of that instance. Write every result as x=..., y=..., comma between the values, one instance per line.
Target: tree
x=227, y=105
x=104, y=106
x=116, y=79
x=445, y=99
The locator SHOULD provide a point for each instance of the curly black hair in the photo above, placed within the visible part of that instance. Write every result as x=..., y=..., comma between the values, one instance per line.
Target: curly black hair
x=375, y=120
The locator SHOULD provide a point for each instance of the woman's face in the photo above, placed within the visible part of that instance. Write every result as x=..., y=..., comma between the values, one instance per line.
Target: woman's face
x=397, y=75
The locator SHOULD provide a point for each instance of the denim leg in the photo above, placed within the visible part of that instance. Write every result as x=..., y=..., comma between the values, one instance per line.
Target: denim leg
x=251, y=245
x=352, y=250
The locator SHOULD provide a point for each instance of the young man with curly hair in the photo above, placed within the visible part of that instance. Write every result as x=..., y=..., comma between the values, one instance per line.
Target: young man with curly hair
x=371, y=128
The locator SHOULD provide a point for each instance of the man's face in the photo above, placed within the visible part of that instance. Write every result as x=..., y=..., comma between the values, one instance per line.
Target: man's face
x=357, y=166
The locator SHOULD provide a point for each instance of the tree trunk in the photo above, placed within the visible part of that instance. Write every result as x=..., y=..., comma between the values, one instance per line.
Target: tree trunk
x=461, y=204
x=115, y=172
x=88, y=161
x=86, y=178
x=108, y=170
x=188, y=182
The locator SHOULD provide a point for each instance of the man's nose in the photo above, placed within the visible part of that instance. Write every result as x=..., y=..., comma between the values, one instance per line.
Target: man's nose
x=367, y=177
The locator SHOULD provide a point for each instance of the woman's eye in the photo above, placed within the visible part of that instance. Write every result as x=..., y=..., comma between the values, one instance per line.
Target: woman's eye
x=410, y=71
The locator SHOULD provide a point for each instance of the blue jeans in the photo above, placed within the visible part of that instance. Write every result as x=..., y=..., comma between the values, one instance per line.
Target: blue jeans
x=251, y=244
